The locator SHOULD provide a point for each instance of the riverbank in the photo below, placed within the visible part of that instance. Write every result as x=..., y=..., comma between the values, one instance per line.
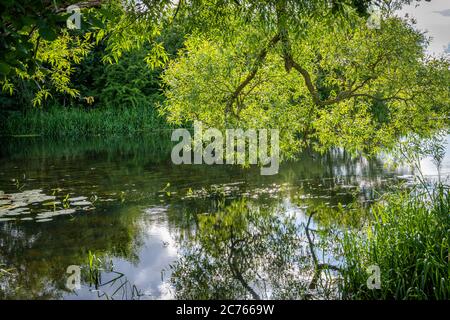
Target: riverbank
x=61, y=121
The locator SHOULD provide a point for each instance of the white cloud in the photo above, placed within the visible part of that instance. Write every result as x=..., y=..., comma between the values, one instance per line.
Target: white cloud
x=444, y=12
x=433, y=17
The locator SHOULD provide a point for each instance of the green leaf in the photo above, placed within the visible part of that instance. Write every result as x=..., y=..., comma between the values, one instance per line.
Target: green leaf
x=4, y=68
x=48, y=34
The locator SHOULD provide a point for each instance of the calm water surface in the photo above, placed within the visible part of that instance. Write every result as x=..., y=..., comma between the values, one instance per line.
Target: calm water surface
x=123, y=199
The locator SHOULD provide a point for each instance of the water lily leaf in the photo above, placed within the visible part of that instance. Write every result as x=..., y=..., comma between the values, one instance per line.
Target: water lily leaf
x=77, y=199
x=51, y=203
x=81, y=203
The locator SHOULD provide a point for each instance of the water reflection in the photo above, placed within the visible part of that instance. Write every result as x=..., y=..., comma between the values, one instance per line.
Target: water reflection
x=40, y=253
x=127, y=203
x=242, y=252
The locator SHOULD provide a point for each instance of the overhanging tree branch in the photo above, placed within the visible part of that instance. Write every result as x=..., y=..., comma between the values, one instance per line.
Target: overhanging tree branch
x=258, y=62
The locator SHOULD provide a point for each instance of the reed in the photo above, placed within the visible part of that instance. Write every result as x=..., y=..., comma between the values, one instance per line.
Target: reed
x=76, y=122
x=408, y=238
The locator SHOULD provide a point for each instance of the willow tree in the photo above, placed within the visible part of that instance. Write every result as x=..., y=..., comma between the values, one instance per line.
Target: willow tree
x=315, y=70
x=38, y=50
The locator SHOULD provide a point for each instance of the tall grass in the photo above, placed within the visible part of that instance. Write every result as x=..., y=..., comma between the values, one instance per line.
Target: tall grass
x=409, y=240
x=73, y=121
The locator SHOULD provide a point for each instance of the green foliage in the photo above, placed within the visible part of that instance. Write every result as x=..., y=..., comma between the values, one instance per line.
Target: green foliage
x=60, y=121
x=101, y=90
x=336, y=83
x=53, y=75
x=130, y=83
x=95, y=267
x=18, y=22
x=409, y=240
x=39, y=49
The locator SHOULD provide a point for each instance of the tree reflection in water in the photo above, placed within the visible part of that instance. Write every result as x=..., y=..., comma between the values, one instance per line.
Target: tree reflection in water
x=243, y=251
x=39, y=257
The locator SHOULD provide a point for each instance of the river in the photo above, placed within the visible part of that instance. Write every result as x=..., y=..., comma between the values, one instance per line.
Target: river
x=123, y=200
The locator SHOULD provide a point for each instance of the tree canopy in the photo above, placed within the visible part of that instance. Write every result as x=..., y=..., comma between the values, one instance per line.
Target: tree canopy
x=334, y=81
x=316, y=70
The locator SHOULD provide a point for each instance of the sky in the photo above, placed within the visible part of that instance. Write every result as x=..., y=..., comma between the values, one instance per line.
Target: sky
x=433, y=17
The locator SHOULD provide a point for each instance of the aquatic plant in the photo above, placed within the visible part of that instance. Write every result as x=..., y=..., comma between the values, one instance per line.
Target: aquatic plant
x=60, y=121
x=408, y=239
x=118, y=287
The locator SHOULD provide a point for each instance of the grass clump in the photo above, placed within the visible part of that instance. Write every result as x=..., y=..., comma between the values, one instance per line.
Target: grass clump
x=408, y=239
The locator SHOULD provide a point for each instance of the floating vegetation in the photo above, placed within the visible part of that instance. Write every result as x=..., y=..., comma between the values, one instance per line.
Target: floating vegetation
x=214, y=191
x=81, y=203
x=76, y=199
x=18, y=211
x=15, y=205
x=28, y=197
x=49, y=214
x=51, y=203
x=272, y=191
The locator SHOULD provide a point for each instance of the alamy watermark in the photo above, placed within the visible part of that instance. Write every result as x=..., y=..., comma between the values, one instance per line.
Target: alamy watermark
x=74, y=279
x=207, y=147
x=74, y=20
x=374, y=280
x=374, y=20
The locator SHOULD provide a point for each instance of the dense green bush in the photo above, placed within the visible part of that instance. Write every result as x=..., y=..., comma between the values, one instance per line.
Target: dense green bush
x=128, y=83
x=117, y=98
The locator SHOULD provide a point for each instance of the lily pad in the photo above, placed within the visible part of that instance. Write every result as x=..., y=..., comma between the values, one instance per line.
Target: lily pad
x=81, y=203
x=20, y=210
x=77, y=199
x=15, y=205
x=48, y=214
x=13, y=214
x=30, y=196
x=5, y=201
x=51, y=203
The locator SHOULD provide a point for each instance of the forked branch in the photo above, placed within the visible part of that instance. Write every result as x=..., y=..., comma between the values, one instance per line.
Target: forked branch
x=257, y=64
